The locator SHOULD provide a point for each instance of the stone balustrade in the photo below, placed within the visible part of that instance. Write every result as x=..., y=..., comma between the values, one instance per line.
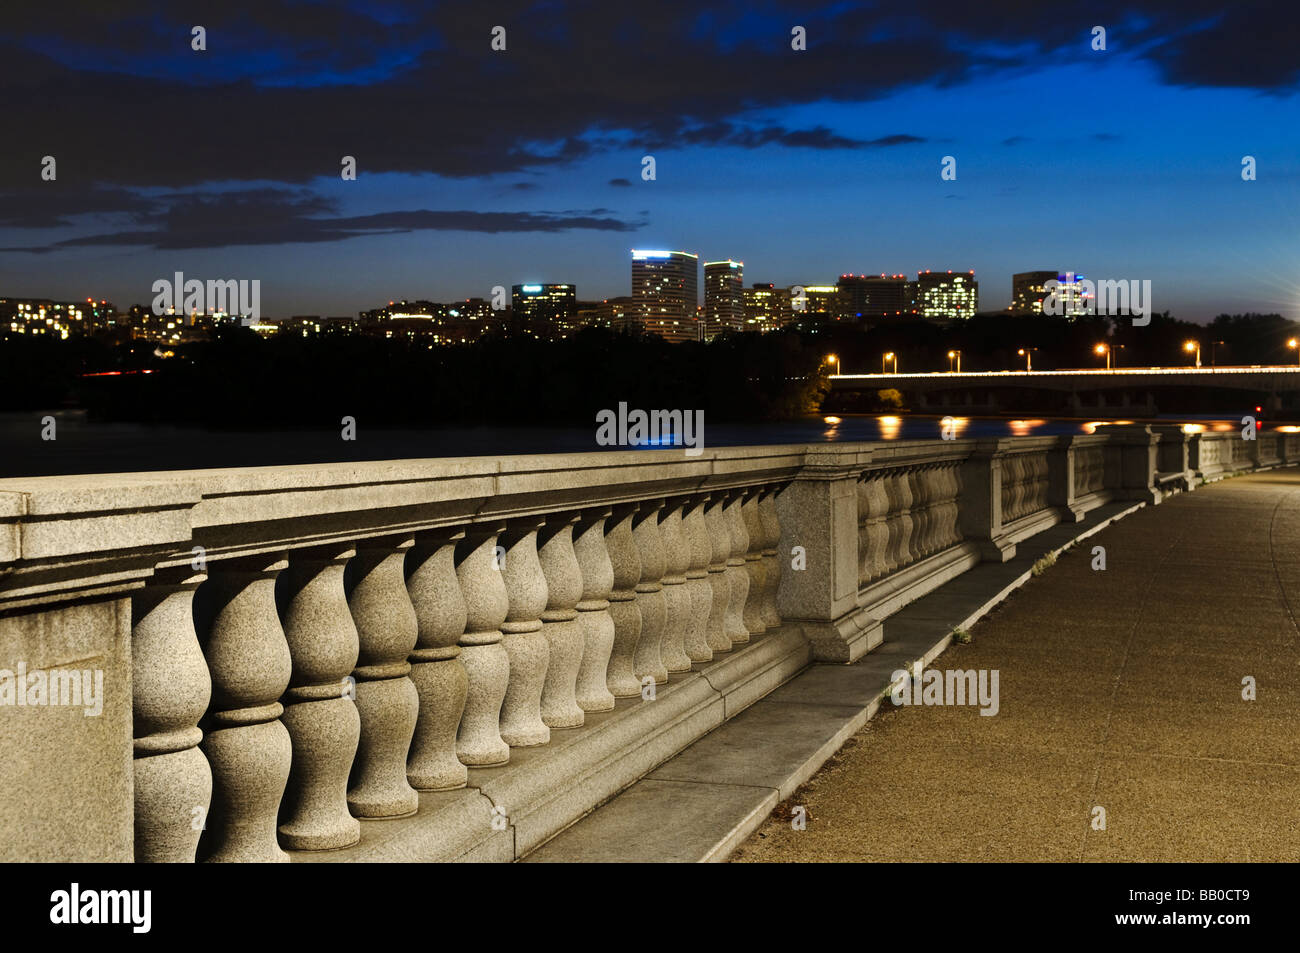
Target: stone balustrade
x=291, y=653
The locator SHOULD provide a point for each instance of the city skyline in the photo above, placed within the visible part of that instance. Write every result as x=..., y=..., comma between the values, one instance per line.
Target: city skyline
x=802, y=162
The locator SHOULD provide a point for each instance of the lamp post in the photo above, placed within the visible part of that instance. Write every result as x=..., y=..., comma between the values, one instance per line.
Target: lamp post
x=1028, y=354
x=951, y=355
x=889, y=356
x=833, y=358
x=1294, y=344
x=1191, y=346
x=1108, y=350
x=1213, y=347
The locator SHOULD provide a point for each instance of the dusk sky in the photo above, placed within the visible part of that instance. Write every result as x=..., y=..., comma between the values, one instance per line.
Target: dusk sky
x=479, y=168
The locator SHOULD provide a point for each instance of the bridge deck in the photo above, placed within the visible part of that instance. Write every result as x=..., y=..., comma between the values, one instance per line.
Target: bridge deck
x=1120, y=689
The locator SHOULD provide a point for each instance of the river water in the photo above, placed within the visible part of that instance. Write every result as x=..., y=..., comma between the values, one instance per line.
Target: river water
x=82, y=446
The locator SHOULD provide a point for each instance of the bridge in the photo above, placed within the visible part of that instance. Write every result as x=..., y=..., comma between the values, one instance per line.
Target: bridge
x=1085, y=390
x=256, y=664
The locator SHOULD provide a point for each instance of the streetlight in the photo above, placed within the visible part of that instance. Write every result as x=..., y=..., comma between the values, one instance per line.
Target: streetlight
x=1028, y=354
x=1191, y=346
x=832, y=358
x=1213, y=348
x=1107, y=349
x=889, y=356
x=1295, y=345
x=951, y=355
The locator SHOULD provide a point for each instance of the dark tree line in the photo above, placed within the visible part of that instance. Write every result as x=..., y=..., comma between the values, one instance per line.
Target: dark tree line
x=240, y=380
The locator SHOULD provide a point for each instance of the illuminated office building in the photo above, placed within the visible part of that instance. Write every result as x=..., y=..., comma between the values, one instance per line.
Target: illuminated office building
x=874, y=297
x=665, y=287
x=544, y=311
x=947, y=296
x=724, y=299
x=767, y=307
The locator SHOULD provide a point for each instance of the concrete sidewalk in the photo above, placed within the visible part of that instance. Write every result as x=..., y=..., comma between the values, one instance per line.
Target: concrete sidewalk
x=1119, y=689
x=703, y=803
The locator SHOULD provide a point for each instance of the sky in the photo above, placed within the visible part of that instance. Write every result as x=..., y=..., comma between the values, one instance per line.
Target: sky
x=479, y=167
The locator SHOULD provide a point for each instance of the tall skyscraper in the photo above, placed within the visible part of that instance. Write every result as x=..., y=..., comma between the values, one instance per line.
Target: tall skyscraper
x=724, y=302
x=665, y=286
x=544, y=311
x=947, y=296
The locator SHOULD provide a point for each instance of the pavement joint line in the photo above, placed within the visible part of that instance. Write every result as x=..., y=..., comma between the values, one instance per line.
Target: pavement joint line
x=1143, y=598
x=1272, y=556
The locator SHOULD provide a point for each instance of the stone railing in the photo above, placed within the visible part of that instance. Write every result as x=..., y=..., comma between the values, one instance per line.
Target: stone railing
x=479, y=650
x=1024, y=484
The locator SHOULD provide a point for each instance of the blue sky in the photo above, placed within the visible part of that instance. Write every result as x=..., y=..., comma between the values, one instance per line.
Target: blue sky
x=479, y=168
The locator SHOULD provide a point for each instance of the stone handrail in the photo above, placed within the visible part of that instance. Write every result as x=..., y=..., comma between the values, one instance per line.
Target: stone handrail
x=287, y=650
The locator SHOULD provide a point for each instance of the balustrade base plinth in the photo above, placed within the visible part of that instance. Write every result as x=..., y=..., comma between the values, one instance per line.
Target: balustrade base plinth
x=545, y=789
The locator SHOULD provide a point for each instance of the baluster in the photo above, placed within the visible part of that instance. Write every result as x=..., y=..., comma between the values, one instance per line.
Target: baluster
x=487, y=666
x=560, y=625
x=677, y=600
x=170, y=692
x=245, y=743
x=864, y=530
x=771, y=559
x=934, y=515
x=737, y=578
x=905, y=522
x=939, y=507
x=720, y=551
x=879, y=529
x=697, y=580
x=917, y=512
x=623, y=607
x=752, y=616
x=943, y=509
x=1011, y=488
x=436, y=669
x=649, y=593
x=922, y=503
x=593, y=692
x=521, y=713
x=954, y=504
x=386, y=696
x=318, y=709
x=893, y=528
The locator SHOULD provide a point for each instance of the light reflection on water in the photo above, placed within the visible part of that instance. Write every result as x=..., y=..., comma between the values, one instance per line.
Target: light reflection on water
x=85, y=446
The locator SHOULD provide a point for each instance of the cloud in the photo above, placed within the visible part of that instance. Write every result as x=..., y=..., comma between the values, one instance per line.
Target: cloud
x=284, y=90
x=286, y=216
